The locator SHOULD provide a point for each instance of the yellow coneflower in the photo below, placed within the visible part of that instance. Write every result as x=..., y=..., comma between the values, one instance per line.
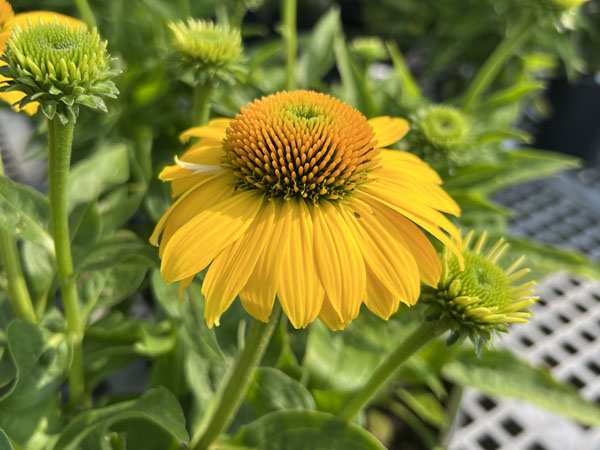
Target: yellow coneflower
x=295, y=198
x=7, y=22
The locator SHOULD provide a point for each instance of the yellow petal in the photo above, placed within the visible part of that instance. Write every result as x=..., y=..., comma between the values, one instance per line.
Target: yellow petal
x=340, y=265
x=330, y=317
x=163, y=220
x=393, y=264
x=183, y=184
x=396, y=163
x=388, y=130
x=300, y=292
x=427, y=218
x=204, y=197
x=214, y=131
x=413, y=239
x=258, y=296
x=205, y=155
x=196, y=243
x=23, y=19
x=380, y=300
x=184, y=284
x=230, y=270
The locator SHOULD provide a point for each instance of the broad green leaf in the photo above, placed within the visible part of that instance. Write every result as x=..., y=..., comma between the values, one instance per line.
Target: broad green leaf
x=272, y=390
x=42, y=361
x=109, y=166
x=25, y=212
x=512, y=168
x=123, y=246
x=500, y=373
x=85, y=226
x=410, y=93
x=344, y=360
x=304, y=430
x=4, y=441
x=40, y=269
x=157, y=407
x=355, y=91
x=511, y=95
x=119, y=205
x=425, y=405
x=317, y=55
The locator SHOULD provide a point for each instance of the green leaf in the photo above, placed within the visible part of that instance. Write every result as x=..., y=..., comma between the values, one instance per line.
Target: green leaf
x=410, y=93
x=25, y=213
x=107, y=167
x=272, y=390
x=513, y=167
x=317, y=57
x=40, y=269
x=4, y=441
x=42, y=361
x=500, y=373
x=157, y=407
x=425, y=405
x=355, y=91
x=33, y=428
x=304, y=430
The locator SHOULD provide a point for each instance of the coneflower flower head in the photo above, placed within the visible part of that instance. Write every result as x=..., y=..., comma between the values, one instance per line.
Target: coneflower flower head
x=60, y=67
x=207, y=51
x=483, y=299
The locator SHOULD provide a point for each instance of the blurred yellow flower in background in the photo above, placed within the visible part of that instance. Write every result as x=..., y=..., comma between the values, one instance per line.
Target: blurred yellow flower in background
x=7, y=22
x=295, y=198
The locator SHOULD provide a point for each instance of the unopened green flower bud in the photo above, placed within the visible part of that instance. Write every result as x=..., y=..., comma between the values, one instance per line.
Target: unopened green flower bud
x=60, y=67
x=483, y=299
x=369, y=49
x=442, y=126
x=207, y=51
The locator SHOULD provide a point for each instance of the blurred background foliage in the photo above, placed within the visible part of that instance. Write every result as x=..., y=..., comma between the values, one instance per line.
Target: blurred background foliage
x=152, y=367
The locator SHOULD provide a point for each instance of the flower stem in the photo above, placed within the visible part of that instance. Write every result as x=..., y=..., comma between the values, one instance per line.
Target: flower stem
x=18, y=295
x=423, y=334
x=291, y=41
x=201, y=111
x=60, y=139
x=86, y=13
x=233, y=388
x=507, y=47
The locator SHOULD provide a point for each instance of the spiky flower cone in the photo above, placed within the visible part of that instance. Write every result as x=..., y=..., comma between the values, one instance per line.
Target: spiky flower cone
x=482, y=300
x=60, y=67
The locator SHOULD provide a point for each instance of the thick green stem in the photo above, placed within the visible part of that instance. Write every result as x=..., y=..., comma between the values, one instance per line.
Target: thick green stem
x=233, y=388
x=201, y=107
x=60, y=139
x=415, y=341
x=288, y=9
x=451, y=412
x=18, y=294
x=86, y=13
x=488, y=72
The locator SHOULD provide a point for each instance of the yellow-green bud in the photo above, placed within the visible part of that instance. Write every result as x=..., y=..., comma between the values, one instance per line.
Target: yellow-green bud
x=207, y=51
x=60, y=67
x=369, y=49
x=442, y=126
x=483, y=299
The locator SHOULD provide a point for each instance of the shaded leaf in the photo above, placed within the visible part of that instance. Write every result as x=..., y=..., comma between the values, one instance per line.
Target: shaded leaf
x=304, y=430
x=4, y=441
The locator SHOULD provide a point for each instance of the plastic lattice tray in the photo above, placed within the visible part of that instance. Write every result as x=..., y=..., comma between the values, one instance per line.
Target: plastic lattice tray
x=564, y=334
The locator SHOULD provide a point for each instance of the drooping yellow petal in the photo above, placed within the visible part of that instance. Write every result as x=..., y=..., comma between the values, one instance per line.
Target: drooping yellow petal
x=158, y=229
x=393, y=264
x=258, y=296
x=427, y=218
x=214, y=131
x=204, y=197
x=208, y=156
x=184, y=284
x=388, y=130
x=7, y=19
x=183, y=184
x=330, y=317
x=300, y=292
x=397, y=163
x=196, y=243
x=340, y=265
x=426, y=257
x=380, y=300
x=230, y=270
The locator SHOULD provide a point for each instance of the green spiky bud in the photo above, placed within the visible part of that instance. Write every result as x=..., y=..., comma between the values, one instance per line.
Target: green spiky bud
x=442, y=126
x=481, y=300
x=207, y=51
x=369, y=49
x=60, y=67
